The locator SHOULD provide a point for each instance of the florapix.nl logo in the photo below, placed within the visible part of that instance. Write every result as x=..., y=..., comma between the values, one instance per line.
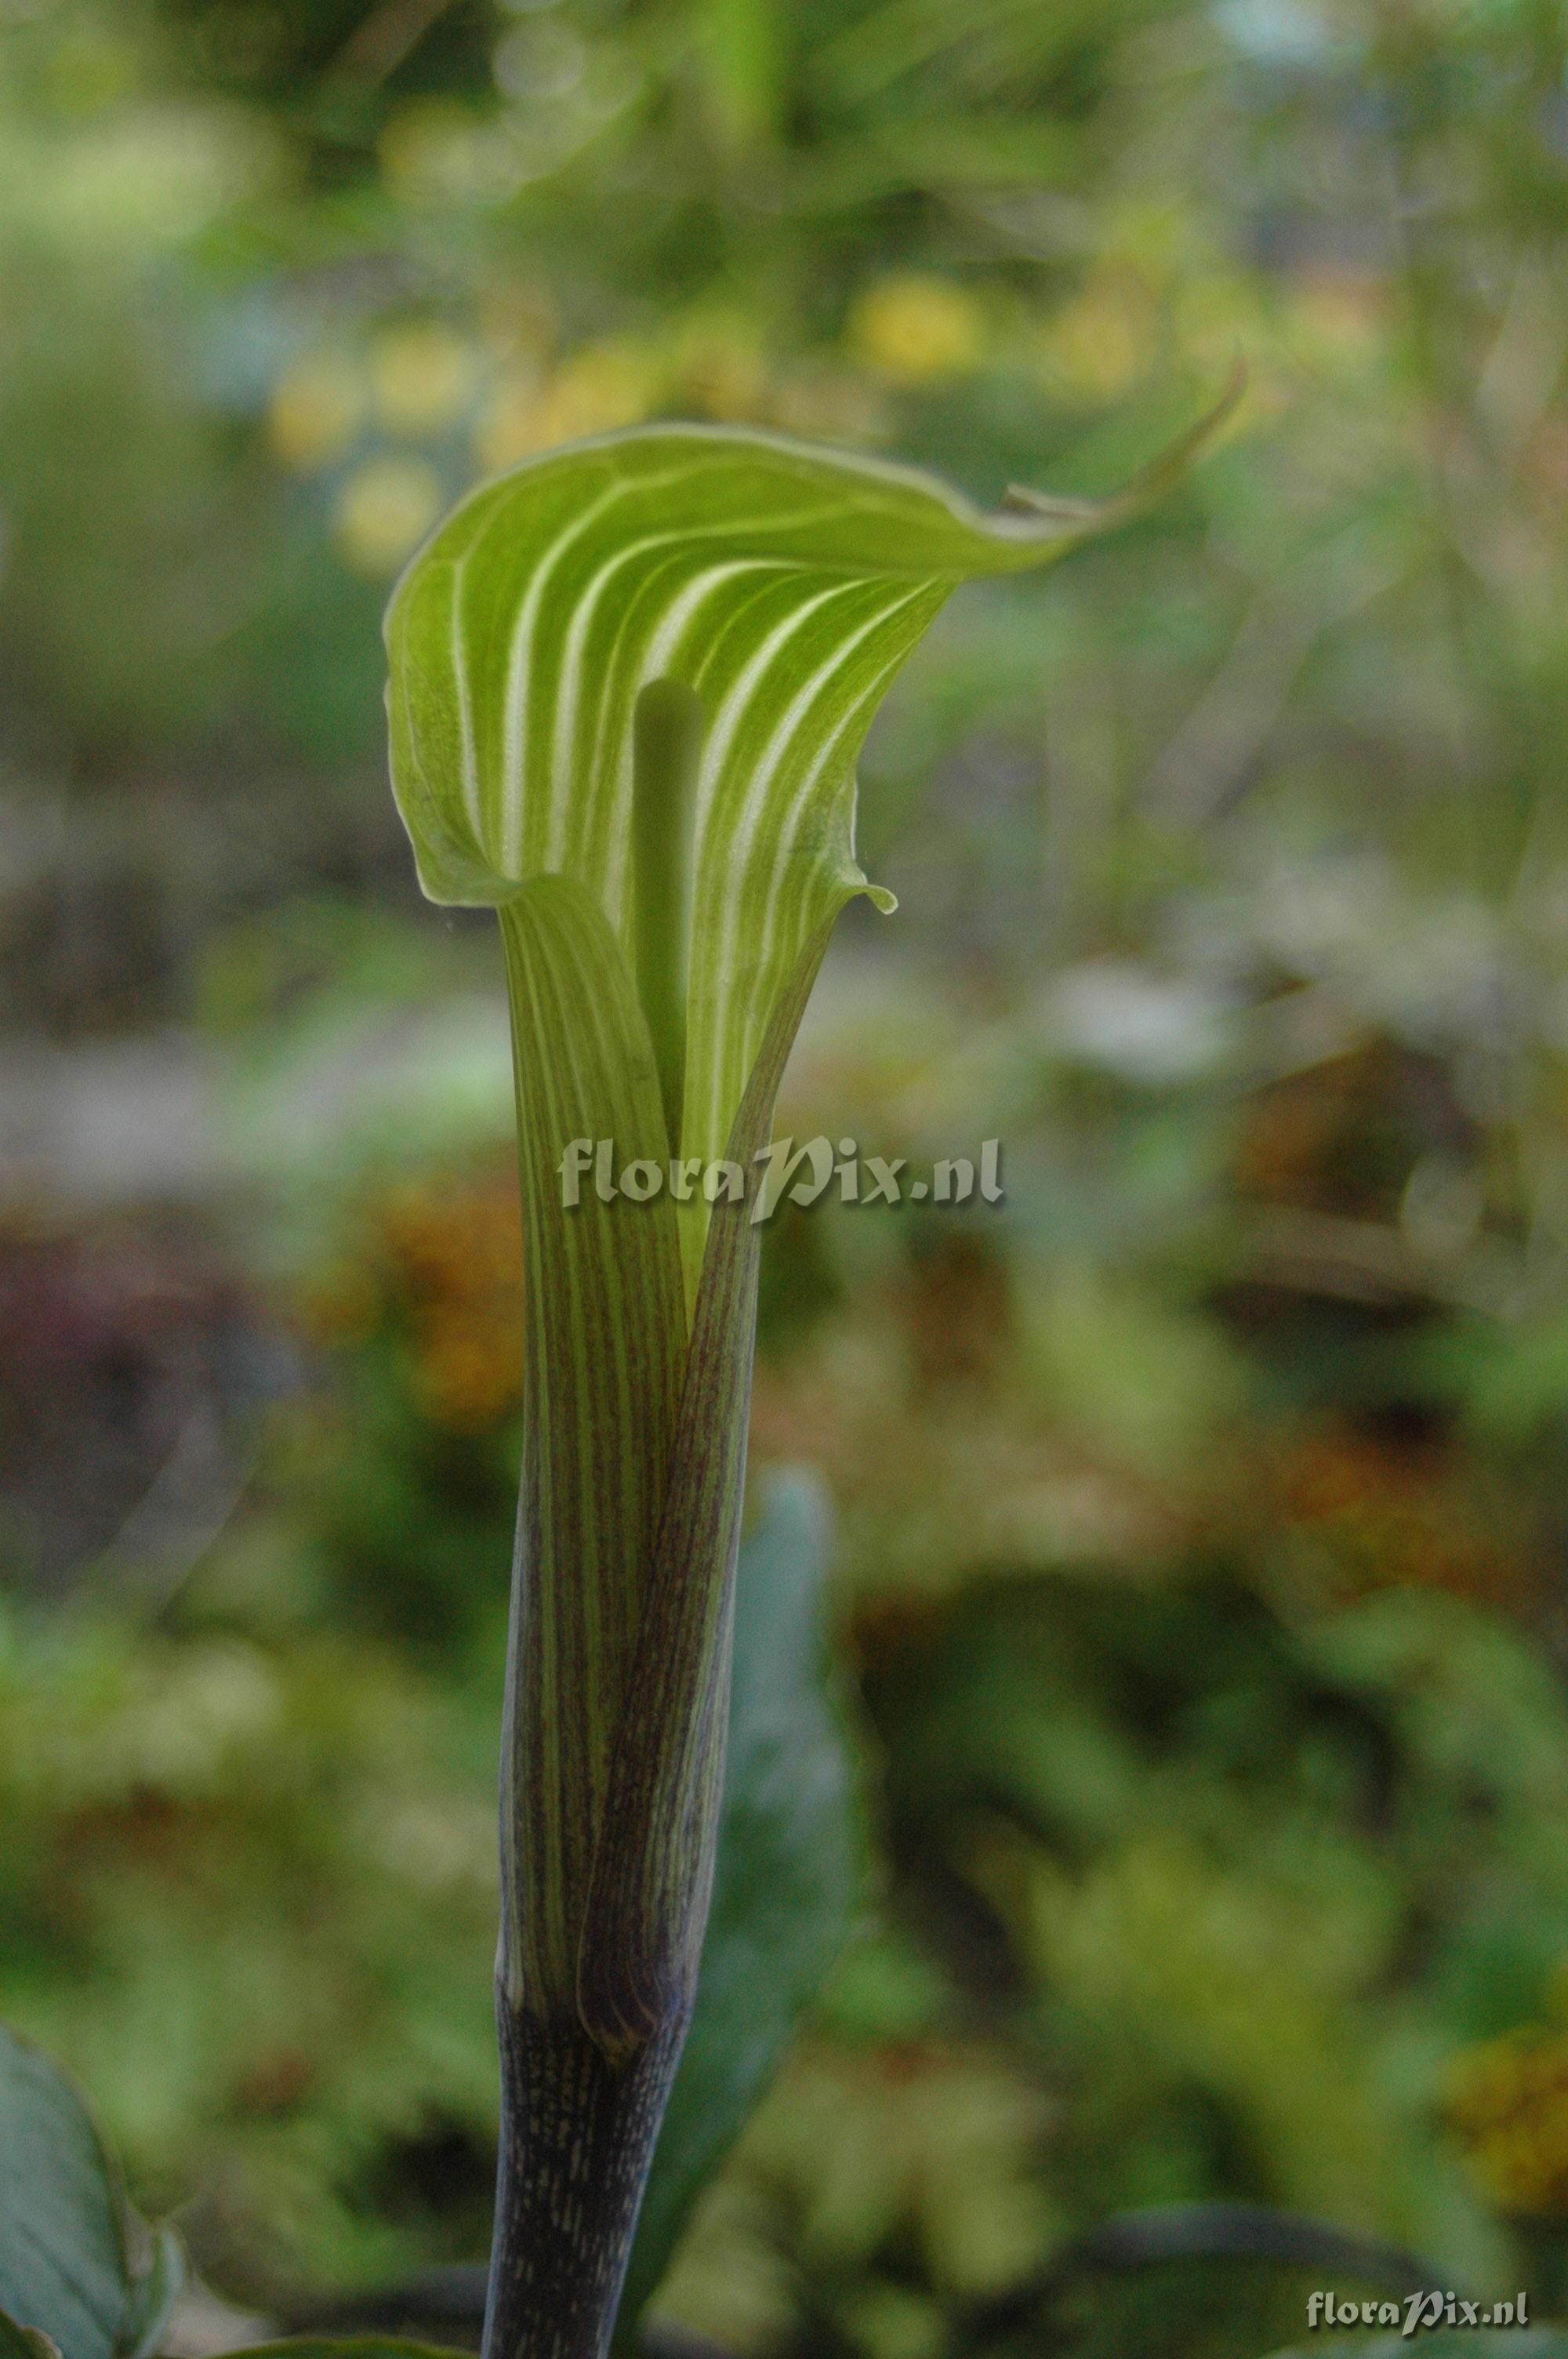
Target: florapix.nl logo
x=805, y=1173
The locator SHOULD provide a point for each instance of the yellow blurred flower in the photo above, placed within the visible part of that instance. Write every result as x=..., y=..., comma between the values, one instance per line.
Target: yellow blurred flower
x=422, y=379
x=599, y=387
x=916, y=328
x=828, y=404
x=1508, y=2106
x=721, y=371
x=315, y=410
x=1101, y=341
x=602, y=387
x=384, y=508
x=510, y=426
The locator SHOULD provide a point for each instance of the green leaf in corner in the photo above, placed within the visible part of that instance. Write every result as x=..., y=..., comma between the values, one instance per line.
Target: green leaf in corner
x=67, y=2239
x=25, y=2341
x=791, y=1868
x=62, y=2244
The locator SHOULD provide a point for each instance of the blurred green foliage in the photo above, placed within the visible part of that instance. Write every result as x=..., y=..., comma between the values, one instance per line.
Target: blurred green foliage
x=1201, y=1526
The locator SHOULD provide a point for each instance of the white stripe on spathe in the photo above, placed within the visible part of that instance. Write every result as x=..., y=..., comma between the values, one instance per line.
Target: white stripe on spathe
x=760, y=817
x=465, y=710
x=519, y=665
x=566, y=747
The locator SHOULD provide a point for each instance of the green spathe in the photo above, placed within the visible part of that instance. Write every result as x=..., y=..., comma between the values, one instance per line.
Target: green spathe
x=629, y=682
x=783, y=585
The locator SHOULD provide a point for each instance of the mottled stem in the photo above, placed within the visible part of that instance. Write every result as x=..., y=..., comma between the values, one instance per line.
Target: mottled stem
x=576, y=2135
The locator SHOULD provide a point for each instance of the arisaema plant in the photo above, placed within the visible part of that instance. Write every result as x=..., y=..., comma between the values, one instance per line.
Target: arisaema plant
x=629, y=683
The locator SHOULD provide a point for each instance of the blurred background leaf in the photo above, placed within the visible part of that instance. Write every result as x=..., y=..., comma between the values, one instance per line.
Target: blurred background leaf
x=792, y=1872
x=74, y=2264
